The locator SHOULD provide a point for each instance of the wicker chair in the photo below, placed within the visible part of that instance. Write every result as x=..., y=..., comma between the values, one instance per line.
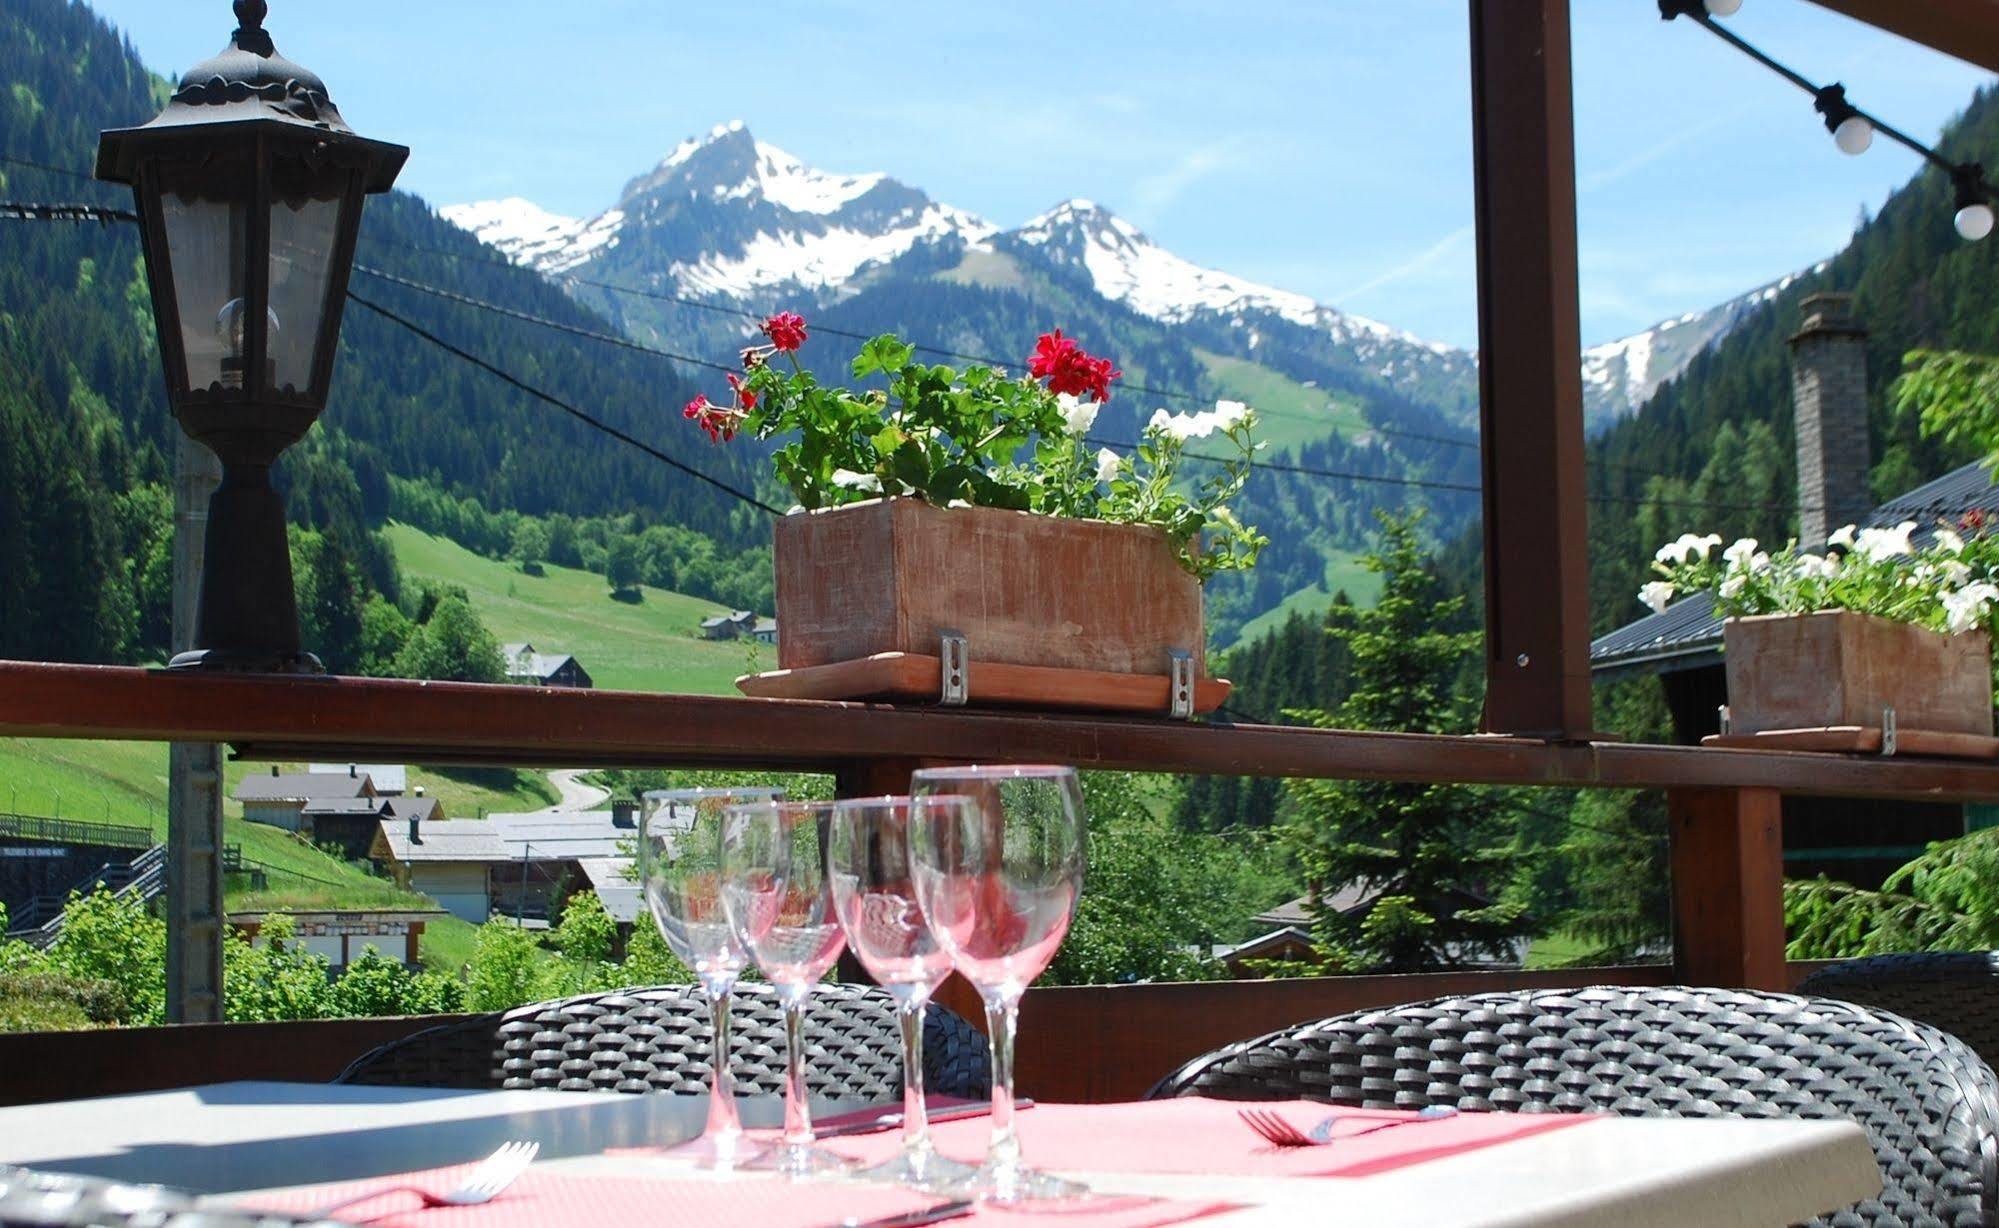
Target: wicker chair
x=645, y=1040
x=1955, y=991
x=1926, y=1101
x=62, y=1200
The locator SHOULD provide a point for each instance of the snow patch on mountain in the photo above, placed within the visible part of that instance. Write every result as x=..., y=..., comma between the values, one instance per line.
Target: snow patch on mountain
x=819, y=259
x=1619, y=376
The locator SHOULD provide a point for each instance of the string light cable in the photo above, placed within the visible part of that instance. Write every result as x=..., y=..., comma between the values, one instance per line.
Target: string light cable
x=1852, y=129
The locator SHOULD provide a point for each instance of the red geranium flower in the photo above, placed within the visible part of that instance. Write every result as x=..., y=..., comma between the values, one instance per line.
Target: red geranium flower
x=745, y=397
x=786, y=331
x=717, y=421
x=1065, y=366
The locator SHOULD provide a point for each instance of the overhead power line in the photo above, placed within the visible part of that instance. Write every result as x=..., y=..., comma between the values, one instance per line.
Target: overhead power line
x=593, y=422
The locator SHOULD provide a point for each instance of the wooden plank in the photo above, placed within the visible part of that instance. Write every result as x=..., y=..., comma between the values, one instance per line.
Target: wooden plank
x=1530, y=388
x=388, y=720
x=1728, y=887
x=916, y=677
x=1967, y=29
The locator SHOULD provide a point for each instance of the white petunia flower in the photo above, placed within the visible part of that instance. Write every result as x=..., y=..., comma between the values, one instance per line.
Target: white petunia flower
x=1656, y=595
x=1229, y=413
x=1107, y=464
x=1818, y=567
x=1182, y=427
x=1877, y=544
x=1739, y=555
x=847, y=479
x=1733, y=585
x=1078, y=414
x=1954, y=571
x=1687, y=548
x=1965, y=609
x=1951, y=542
x=1842, y=536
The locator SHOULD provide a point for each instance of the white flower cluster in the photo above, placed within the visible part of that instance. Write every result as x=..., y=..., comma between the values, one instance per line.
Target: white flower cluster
x=1860, y=572
x=1078, y=414
x=1183, y=427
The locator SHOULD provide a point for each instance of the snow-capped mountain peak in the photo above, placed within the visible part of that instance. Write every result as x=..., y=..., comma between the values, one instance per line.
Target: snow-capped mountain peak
x=529, y=234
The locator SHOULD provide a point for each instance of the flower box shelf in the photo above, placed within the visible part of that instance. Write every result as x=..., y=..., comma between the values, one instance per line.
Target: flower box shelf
x=1053, y=612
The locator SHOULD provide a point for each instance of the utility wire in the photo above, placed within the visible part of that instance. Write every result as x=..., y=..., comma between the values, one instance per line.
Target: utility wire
x=593, y=422
x=28, y=211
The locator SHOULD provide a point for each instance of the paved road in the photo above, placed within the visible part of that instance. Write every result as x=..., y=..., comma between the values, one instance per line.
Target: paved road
x=572, y=793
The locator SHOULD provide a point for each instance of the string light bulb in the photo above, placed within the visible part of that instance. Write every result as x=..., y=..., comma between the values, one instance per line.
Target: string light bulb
x=1850, y=130
x=1974, y=206
x=1723, y=8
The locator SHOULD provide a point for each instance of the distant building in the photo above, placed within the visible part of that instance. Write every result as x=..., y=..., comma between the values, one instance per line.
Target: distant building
x=341, y=936
x=1290, y=934
x=281, y=798
x=389, y=779
x=765, y=632
x=732, y=626
x=521, y=865
x=526, y=664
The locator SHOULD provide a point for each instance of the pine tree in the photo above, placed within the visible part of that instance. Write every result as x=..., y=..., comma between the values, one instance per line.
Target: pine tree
x=1428, y=860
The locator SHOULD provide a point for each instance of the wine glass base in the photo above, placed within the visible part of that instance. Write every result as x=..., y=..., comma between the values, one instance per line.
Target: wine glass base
x=719, y=1152
x=926, y=1171
x=798, y=1161
x=1022, y=1185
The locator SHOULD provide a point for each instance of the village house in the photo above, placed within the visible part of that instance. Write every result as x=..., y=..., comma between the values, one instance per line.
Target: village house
x=732, y=626
x=280, y=798
x=515, y=865
x=340, y=936
x=527, y=664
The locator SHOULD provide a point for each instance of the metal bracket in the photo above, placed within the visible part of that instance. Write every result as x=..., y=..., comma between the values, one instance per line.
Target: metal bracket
x=1888, y=738
x=1180, y=694
x=1727, y=718
x=954, y=682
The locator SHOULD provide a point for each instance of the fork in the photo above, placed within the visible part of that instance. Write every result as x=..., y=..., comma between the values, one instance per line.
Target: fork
x=494, y=1173
x=1278, y=1132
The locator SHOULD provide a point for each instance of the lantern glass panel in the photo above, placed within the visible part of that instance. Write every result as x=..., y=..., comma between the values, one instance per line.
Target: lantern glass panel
x=207, y=241
x=305, y=232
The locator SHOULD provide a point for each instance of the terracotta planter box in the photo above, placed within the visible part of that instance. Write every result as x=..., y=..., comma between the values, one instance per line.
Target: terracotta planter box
x=867, y=592
x=1837, y=668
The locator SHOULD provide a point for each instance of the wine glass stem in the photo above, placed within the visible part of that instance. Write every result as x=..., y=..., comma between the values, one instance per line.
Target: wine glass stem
x=722, y=1119
x=915, y=1114
x=1003, y=1151
x=797, y=1112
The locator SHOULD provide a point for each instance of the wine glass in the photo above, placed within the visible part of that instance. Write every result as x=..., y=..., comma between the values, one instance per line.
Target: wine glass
x=874, y=891
x=680, y=861
x=774, y=890
x=998, y=853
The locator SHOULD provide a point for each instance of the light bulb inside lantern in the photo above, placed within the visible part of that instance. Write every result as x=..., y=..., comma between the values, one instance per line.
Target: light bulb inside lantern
x=1853, y=135
x=229, y=325
x=1974, y=221
x=1723, y=8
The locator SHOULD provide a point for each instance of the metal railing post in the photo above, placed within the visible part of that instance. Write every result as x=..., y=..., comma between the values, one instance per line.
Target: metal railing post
x=194, y=779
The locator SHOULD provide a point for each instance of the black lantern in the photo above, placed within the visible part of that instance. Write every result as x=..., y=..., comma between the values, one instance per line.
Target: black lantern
x=250, y=188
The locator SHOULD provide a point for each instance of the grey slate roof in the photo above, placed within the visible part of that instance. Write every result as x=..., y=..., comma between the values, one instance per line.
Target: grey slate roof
x=448, y=840
x=302, y=787
x=404, y=809
x=1686, y=634
x=328, y=807
x=388, y=777
x=524, y=662
x=616, y=885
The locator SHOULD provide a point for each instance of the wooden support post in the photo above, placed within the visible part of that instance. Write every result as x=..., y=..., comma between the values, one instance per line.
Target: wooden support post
x=194, y=907
x=1530, y=379
x=869, y=778
x=1728, y=887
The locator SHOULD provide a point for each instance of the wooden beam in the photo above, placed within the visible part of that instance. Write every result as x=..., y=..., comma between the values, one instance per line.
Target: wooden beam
x=388, y=720
x=1728, y=887
x=1967, y=29
x=1530, y=384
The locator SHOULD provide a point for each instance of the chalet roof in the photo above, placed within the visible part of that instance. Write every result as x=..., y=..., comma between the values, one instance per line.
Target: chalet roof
x=303, y=786
x=1687, y=634
x=388, y=777
x=333, y=807
x=524, y=662
x=616, y=885
x=569, y=835
x=428, y=809
x=739, y=616
x=446, y=840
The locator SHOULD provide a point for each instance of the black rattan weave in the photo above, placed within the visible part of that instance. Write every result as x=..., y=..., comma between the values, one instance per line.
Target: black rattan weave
x=643, y=1040
x=1930, y=1105
x=1956, y=991
x=64, y=1200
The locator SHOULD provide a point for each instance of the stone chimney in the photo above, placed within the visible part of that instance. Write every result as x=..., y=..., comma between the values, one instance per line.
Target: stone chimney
x=416, y=836
x=1829, y=408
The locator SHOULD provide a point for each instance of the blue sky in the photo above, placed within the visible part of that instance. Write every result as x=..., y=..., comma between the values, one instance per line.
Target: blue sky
x=1317, y=145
